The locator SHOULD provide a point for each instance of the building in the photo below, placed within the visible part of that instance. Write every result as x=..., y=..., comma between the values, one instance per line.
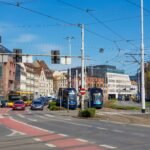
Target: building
x=7, y=71
x=20, y=78
x=45, y=78
x=60, y=80
x=35, y=78
x=118, y=85
x=92, y=78
x=113, y=81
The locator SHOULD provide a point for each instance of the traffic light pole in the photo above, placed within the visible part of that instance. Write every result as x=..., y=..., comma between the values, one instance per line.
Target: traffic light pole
x=82, y=65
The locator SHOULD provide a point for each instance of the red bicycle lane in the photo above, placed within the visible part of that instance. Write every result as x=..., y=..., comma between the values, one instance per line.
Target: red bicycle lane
x=49, y=138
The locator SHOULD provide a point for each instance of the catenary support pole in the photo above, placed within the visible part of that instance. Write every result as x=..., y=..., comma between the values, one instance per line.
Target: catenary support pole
x=142, y=60
x=82, y=65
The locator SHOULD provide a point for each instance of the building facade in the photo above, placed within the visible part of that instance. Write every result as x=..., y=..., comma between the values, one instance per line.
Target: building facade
x=7, y=72
x=118, y=84
x=60, y=80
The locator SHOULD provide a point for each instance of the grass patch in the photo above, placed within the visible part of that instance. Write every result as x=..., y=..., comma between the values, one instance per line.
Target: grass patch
x=147, y=104
x=89, y=112
x=112, y=104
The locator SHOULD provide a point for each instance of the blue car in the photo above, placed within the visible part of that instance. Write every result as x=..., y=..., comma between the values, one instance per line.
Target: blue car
x=37, y=105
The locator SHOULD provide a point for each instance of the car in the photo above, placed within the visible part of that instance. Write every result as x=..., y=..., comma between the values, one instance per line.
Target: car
x=19, y=105
x=37, y=105
x=3, y=103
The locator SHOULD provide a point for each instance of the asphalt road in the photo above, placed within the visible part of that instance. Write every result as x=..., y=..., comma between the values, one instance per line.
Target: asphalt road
x=68, y=133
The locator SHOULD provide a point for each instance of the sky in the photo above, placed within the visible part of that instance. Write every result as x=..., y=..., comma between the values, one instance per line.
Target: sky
x=39, y=26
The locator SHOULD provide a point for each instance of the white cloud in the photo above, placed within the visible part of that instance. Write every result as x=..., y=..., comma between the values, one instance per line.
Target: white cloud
x=47, y=47
x=26, y=38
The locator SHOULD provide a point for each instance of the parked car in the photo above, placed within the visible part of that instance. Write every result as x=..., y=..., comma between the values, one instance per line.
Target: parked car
x=44, y=100
x=19, y=105
x=37, y=105
x=3, y=103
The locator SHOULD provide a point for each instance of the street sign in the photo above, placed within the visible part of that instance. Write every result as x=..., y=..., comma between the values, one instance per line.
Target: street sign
x=82, y=91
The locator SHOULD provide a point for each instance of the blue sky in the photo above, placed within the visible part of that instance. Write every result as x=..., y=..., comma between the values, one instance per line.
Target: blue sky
x=112, y=24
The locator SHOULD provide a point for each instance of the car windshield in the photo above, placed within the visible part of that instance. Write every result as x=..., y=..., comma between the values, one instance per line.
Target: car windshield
x=37, y=102
x=19, y=102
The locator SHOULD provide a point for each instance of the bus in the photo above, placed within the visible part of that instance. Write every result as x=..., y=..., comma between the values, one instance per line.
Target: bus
x=95, y=97
x=67, y=97
x=19, y=95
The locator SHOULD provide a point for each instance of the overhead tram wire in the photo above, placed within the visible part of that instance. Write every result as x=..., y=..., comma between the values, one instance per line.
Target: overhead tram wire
x=54, y=18
x=135, y=4
x=99, y=35
x=39, y=13
x=98, y=20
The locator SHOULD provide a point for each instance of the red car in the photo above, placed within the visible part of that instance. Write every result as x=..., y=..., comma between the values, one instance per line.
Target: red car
x=19, y=105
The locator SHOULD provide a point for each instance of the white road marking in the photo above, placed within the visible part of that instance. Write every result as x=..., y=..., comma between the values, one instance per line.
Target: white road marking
x=5, y=114
x=1, y=116
x=34, y=120
x=141, y=125
x=82, y=140
x=138, y=134
x=119, y=131
x=30, y=125
x=101, y=128
x=15, y=132
x=50, y=145
x=41, y=117
x=108, y=146
x=63, y=135
x=67, y=119
x=48, y=115
x=79, y=124
x=22, y=116
x=37, y=139
x=134, y=124
x=115, y=122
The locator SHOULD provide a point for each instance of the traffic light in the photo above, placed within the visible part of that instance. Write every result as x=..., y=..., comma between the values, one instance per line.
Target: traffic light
x=18, y=55
x=55, y=57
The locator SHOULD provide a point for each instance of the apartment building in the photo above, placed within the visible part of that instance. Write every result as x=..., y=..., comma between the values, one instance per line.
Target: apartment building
x=7, y=72
x=60, y=80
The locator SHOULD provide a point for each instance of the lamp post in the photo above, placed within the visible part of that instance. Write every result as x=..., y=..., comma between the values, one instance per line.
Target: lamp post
x=69, y=47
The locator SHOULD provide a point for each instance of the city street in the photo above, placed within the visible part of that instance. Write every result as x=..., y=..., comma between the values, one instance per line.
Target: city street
x=45, y=130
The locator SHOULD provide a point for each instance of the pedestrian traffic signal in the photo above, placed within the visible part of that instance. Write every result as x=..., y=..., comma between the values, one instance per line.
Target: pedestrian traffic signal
x=18, y=55
x=55, y=57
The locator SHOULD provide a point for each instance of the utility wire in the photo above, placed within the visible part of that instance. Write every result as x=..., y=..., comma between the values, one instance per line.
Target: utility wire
x=37, y=12
x=54, y=18
x=135, y=4
x=90, y=14
x=98, y=20
x=101, y=36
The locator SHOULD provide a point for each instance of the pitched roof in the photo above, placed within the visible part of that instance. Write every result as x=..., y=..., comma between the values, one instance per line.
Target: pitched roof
x=47, y=71
x=4, y=49
x=31, y=68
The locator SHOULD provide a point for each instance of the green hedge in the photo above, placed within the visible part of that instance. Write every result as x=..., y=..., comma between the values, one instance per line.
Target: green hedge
x=52, y=106
x=89, y=112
